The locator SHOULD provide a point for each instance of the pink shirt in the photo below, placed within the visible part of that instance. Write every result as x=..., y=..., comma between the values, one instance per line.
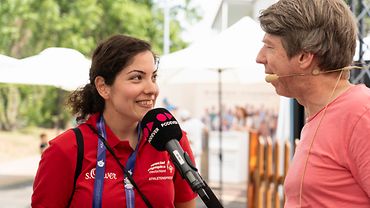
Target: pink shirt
x=338, y=167
x=154, y=173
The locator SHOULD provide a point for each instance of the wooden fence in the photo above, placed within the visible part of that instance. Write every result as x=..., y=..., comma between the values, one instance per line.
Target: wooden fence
x=265, y=179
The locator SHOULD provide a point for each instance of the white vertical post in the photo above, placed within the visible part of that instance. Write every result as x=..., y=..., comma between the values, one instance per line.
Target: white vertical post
x=166, y=27
x=224, y=15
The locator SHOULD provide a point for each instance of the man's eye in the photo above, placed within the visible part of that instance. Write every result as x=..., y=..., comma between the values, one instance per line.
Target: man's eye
x=155, y=76
x=267, y=46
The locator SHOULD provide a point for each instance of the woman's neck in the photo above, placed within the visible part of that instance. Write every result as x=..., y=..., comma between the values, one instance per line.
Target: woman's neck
x=122, y=128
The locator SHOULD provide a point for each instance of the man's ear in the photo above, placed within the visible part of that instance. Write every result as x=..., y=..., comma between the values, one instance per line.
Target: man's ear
x=306, y=59
x=101, y=87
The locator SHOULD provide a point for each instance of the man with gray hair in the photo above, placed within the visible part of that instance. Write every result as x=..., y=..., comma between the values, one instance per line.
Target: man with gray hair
x=308, y=51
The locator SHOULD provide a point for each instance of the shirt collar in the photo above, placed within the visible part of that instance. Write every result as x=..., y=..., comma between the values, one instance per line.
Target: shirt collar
x=113, y=140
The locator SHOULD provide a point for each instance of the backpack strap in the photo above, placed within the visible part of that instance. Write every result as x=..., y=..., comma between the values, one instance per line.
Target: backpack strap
x=80, y=155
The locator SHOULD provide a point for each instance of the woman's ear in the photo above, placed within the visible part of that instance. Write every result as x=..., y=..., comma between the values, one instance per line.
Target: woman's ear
x=101, y=87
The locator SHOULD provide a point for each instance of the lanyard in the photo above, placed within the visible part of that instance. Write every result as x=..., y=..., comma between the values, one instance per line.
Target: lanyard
x=100, y=165
x=100, y=169
x=130, y=165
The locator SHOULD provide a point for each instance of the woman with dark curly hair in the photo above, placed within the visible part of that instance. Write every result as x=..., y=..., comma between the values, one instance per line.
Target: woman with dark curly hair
x=119, y=167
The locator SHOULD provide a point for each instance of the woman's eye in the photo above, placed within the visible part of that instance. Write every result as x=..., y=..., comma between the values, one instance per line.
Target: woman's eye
x=137, y=77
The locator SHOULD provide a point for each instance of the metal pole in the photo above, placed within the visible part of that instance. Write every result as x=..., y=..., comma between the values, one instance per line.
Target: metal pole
x=361, y=34
x=166, y=27
x=220, y=126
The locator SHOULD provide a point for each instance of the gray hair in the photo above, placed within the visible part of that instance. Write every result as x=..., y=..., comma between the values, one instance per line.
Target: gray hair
x=326, y=28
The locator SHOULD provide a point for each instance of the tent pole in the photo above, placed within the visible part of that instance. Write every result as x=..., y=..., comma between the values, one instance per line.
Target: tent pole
x=220, y=127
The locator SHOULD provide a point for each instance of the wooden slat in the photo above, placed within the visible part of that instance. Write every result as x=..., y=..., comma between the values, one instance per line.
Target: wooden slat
x=287, y=153
x=264, y=177
x=277, y=176
x=252, y=169
x=287, y=150
x=261, y=179
x=269, y=172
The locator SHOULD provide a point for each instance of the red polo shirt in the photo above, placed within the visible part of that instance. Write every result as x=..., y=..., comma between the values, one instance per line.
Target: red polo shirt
x=154, y=173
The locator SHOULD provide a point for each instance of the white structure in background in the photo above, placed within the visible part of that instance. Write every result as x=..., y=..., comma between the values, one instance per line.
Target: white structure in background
x=194, y=70
x=235, y=144
x=234, y=154
x=61, y=67
x=365, y=48
x=233, y=51
x=231, y=11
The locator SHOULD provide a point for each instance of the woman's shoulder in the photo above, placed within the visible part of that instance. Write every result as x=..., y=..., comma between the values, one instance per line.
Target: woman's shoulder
x=64, y=139
x=68, y=137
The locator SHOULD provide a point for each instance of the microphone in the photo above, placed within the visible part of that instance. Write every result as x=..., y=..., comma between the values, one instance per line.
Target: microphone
x=272, y=77
x=163, y=132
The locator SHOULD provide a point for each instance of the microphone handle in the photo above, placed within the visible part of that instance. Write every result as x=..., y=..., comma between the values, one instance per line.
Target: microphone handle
x=208, y=197
x=188, y=171
x=184, y=165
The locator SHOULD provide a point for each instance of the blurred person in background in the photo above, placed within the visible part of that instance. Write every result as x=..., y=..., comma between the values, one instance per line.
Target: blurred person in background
x=43, y=142
x=195, y=130
x=240, y=120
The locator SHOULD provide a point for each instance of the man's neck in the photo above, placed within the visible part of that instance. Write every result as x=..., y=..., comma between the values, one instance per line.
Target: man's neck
x=324, y=91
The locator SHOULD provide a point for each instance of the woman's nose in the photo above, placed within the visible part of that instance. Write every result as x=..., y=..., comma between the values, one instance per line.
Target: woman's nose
x=151, y=87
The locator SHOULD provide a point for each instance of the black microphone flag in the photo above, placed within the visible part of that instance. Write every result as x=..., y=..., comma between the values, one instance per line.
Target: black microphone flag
x=159, y=127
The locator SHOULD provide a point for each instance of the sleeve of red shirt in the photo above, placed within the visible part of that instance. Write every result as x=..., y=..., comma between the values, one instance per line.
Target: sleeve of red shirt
x=183, y=191
x=55, y=175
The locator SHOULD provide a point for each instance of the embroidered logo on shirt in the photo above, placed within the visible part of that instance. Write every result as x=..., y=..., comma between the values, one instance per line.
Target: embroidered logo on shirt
x=161, y=167
x=158, y=167
x=169, y=166
x=107, y=175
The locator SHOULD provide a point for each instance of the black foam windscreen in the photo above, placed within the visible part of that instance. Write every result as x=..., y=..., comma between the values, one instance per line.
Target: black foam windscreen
x=159, y=126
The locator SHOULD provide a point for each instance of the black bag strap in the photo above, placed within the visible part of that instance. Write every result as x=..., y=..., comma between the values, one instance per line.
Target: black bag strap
x=80, y=155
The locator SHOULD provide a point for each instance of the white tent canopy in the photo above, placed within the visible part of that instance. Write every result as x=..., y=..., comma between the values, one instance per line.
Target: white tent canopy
x=193, y=71
x=61, y=67
x=7, y=62
x=233, y=51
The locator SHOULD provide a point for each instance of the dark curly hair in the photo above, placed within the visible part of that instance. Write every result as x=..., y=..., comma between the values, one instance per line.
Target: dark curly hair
x=109, y=58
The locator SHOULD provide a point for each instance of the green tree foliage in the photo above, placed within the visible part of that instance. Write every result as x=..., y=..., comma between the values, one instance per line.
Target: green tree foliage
x=29, y=26
x=9, y=100
x=32, y=105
